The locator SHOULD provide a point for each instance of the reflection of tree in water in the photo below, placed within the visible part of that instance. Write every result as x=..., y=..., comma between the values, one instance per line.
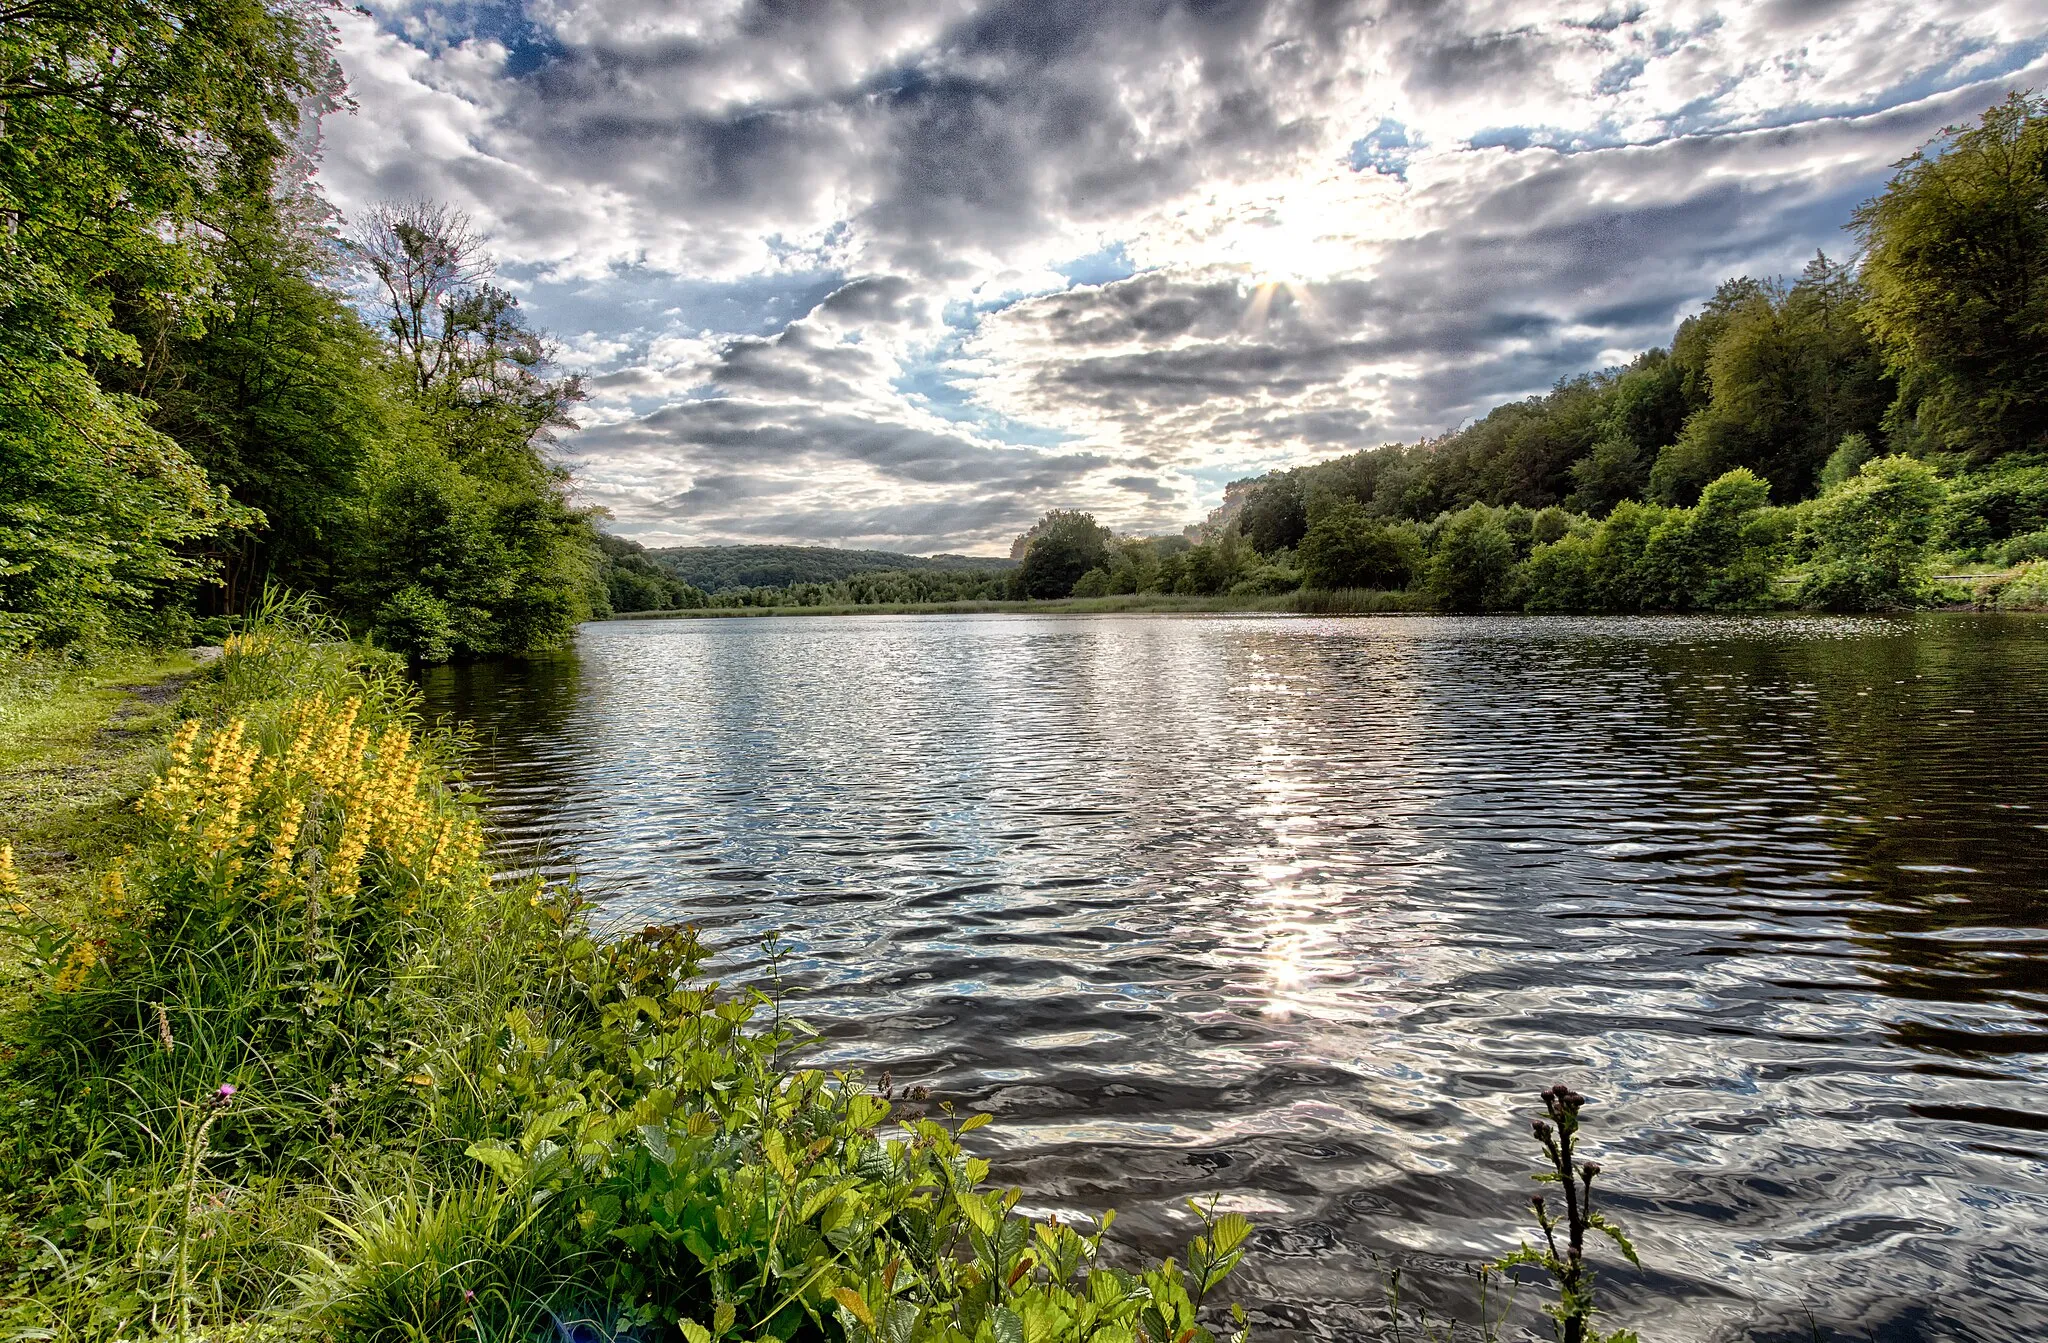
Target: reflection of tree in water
x=1936, y=769
x=524, y=756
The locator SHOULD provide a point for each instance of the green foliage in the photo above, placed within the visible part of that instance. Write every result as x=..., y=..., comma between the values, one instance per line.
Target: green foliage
x=125, y=125
x=1094, y=583
x=1059, y=549
x=2028, y=589
x=1956, y=266
x=1718, y=556
x=1275, y=516
x=416, y=623
x=1472, y=566
x=1790, y=371
x=2021, y=549
x=1846, y=460
x=728, y=568
x=634, y=581
x=1347, y=548
x=1986, y=508
x=1869, y=538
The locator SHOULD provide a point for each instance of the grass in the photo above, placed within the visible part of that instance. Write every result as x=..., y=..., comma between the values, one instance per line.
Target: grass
x=1347, y=602
x=76, y=743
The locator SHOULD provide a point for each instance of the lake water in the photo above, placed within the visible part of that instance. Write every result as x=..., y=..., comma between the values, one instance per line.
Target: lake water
x=1302, y=913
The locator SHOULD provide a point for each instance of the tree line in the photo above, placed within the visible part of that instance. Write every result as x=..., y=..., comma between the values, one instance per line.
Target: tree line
x=209, y=383
x=1823, y=440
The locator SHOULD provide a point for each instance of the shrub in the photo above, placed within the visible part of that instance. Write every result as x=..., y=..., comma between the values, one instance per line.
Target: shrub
x=2032, y=546
x=1559, y=578
x=416, y=623
x=2028, y=591
x=1473, y=567
x=1094, y=583
x=1346, y=548
x=1869, y=538
x=1985, y=508
x=1714, y=556
x=1846, y=460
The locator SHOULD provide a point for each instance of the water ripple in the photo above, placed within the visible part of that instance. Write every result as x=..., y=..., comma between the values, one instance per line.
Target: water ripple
x=1298, y=913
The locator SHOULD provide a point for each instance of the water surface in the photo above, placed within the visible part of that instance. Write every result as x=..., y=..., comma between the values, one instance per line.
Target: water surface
x=1300, y=913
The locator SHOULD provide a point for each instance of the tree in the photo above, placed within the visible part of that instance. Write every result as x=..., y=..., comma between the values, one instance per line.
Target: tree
x=1714, y=556
x=1275, y=517
x=1348, y=548
x=1869, y=537
x=1061, y=547
x=283, y=396
x=469, y=508
x=1790, y=371
x=1956, y=264
x=1473, y=566
x=123, y=126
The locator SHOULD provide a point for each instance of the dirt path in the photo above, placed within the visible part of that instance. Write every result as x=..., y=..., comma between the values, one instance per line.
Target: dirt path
x=74, y=755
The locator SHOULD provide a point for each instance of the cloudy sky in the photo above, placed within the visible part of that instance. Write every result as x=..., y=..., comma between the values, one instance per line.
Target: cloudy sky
x=907, y=273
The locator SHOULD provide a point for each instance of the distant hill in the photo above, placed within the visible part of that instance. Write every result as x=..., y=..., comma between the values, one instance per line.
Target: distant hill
x=715, y=568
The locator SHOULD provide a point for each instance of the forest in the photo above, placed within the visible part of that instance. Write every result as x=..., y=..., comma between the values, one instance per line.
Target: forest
x=211, y=384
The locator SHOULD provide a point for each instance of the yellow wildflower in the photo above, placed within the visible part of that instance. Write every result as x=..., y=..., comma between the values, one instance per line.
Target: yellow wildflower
x=10, y=884
x=84, y=955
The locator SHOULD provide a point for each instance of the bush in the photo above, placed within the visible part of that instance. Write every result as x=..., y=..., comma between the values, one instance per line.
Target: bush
x=1869, y=538
x=2032, y=546
x=1846, y=460
x=416, y=623
x=1094, y=583
x=1558, y=578
x=1346, y=548
x=1988, y=507
x=1715, y=556
x=1473, y=567
x=2028, y=591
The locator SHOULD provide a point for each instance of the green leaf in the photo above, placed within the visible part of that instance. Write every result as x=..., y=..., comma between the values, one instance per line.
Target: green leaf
x=1006, y=1324
x=505, y=1163
x=1619, y=1237
x=1228, y=1232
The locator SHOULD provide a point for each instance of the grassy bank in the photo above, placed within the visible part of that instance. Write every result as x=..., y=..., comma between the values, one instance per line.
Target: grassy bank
x=76, y=741
x=284, y=1058
x=1355, y=601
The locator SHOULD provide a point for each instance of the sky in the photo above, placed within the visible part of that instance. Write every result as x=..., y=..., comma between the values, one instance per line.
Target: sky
x=908, y=273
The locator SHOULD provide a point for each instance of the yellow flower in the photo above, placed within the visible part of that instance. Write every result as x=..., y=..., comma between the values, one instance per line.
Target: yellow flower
x=113, y=901
x=10, y=884
x=84, y=955
x=283, y=846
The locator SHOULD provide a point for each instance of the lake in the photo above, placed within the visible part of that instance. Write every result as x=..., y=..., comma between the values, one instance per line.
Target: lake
x=1300, y=914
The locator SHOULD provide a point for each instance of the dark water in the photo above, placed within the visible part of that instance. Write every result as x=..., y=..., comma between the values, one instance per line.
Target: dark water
x=1301, y=913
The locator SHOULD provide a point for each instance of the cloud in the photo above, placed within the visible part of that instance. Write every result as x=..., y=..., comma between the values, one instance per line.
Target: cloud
x=822, y=262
